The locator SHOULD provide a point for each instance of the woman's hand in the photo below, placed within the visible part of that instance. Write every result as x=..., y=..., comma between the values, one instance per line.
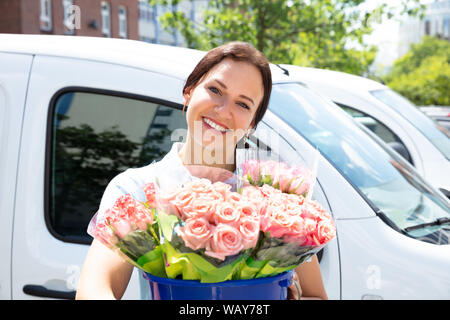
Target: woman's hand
x=294, y=290
x=310, y=282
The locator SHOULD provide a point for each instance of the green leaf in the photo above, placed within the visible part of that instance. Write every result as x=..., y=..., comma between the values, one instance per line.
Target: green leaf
x=192, y=266
x=153, y=263
x=166, y=224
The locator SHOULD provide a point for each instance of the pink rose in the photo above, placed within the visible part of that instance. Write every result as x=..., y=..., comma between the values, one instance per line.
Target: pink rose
x=199, y=186
x=150, y=194
x=325, y=231
x=104, y=233
x=251, y=169
x=302, y=182
x=195, y=233
x=226, y=241
x=277, y=222
x=211, y=196
x=283, y=177
x=252, y=192
x=143, y=219
x=297, y=232
x=128, y=213
x=247, y=210
x=225, y=213
x=269, y=191
x=249, y=228
x=182, y=200
x=199, y=208
x=121, y=227
x=310, y=225
x=313, y=210
x=222, y=188
x=254, y=196
x=233, y=198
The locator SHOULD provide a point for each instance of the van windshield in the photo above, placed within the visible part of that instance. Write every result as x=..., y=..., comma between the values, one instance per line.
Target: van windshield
x=435, y=133
x=390, y=185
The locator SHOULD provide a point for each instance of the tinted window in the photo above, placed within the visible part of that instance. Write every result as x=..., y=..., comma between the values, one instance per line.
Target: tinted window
x=94, y=138
x=436, y=134
x=385, y=134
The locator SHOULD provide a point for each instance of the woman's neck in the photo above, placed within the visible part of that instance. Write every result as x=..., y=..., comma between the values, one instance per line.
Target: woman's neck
x=192, y=153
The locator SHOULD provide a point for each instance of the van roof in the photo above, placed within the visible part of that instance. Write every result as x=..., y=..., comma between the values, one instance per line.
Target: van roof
x=165, y=59
x=342, y=80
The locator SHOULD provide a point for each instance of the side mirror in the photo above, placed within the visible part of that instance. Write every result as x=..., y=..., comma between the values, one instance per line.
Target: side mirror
x=401, y=150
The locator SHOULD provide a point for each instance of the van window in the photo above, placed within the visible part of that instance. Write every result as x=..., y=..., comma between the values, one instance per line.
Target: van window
x=382, y=131
x=94, y=137
x=437, y=135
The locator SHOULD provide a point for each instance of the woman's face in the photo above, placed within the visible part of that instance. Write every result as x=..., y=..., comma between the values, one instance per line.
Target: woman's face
x=222, y=105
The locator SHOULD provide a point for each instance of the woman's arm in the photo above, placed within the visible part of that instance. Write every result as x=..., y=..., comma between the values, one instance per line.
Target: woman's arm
x=105, y=275
x=310, y=280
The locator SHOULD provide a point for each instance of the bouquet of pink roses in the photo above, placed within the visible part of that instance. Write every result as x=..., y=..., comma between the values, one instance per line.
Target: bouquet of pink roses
x=289, y=179
x=207, y=231
x=203, y=230
x=130, y=228
x=292, y=229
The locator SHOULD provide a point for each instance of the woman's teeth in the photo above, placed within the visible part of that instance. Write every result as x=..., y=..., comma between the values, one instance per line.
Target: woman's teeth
x=215, y=125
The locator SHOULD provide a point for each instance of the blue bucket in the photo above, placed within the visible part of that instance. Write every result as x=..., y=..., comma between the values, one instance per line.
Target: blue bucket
x=269, y=288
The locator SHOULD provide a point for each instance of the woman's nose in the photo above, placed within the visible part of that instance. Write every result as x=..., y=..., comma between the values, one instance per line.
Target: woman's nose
x=224, y=108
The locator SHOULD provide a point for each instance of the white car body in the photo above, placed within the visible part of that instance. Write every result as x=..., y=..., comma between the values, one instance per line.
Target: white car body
x=355, y=92
x=367, y=260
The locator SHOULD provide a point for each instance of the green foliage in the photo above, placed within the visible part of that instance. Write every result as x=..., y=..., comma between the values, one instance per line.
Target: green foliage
x=423, y=74
x=308, y=33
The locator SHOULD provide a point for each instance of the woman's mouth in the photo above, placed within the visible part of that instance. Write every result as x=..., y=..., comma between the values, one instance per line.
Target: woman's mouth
x=210, y=124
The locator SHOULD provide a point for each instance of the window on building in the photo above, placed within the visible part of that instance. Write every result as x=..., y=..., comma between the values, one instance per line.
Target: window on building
x=106, y=19
x=145, y=11
x=122, y=22
x=96, y=136
x=427, y=28
x=46, y=15
x=69, y=18
x=447, y=28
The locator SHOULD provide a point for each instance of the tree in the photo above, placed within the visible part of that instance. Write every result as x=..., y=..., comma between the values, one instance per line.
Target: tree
x=423, y=74
x=310, y=33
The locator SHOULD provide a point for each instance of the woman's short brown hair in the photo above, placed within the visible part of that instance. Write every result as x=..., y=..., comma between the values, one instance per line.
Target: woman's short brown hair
x=238, y=51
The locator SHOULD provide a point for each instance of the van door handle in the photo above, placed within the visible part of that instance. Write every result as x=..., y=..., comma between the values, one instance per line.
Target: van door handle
x=43, y=292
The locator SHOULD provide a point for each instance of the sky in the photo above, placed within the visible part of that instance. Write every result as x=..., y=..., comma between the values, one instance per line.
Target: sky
x=388, y=30
x=385, y=35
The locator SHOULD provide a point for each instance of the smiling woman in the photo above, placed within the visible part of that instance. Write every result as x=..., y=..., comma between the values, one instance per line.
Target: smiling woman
x=226, y=96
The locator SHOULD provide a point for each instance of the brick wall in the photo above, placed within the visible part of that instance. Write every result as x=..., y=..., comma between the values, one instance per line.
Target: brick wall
x=23, y=16
x=90, y=11
x=9, y=16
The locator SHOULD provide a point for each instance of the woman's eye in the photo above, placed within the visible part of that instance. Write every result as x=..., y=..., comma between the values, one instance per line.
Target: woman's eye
x=243, y=105
x=214, y=90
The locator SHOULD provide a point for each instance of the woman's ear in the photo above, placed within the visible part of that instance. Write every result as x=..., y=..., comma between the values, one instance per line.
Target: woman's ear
x=187, y=96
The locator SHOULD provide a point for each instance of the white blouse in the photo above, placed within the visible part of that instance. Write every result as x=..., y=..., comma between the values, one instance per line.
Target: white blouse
x=170, y=172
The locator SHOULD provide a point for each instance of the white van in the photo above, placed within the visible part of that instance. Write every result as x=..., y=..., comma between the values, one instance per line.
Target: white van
x=76, y=111
x=419, y=139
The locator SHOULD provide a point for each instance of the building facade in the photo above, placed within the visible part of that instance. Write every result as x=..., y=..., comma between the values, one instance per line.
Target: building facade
x=435, y=23
x=96, y=18
x=150, y=28
x=128, y=19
